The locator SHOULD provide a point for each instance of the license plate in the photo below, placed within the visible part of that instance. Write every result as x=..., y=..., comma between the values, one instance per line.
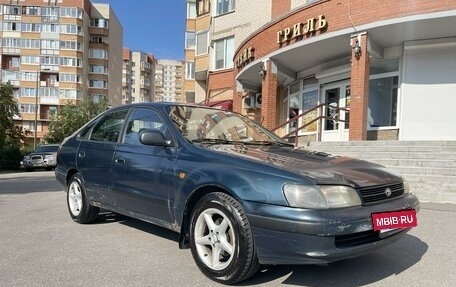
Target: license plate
x=394, y=220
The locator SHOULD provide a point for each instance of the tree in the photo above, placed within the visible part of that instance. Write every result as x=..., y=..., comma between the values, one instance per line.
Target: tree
x=10, y=134
x=71, y=117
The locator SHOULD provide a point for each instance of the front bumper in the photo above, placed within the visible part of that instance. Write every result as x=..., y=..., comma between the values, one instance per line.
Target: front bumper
x=285, y=235
x=46, y=163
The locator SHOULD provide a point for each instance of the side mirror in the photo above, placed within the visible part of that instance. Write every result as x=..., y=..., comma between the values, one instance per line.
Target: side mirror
x=153, y=138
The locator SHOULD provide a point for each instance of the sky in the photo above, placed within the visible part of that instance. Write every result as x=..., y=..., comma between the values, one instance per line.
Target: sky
x=152, y=26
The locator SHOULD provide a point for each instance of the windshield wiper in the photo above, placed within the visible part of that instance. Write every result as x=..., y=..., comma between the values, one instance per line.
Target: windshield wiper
x=275, y=143
x=214, y=141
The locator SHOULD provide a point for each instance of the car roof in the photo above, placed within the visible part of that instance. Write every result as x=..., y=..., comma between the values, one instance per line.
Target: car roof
x=160, y=105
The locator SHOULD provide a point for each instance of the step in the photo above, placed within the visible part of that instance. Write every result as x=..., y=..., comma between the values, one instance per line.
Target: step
x=383, y=143
x=382, y=148
x=396, y=155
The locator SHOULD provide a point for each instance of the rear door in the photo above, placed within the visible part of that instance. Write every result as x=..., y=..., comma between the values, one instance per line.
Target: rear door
x=144, y=175
x=95, y=155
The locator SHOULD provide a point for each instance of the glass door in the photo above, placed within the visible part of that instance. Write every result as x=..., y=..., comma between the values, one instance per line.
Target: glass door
x=336, y=96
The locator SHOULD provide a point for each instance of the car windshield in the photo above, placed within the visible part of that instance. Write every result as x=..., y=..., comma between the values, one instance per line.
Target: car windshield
x=52, y=148
x=209, y=125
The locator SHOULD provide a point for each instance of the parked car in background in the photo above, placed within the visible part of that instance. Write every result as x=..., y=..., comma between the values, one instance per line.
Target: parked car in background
x=44, y=156
x=238, y=195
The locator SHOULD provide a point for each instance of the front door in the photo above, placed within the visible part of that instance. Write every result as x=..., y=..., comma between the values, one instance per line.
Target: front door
x=144, y=175
x=336, y=96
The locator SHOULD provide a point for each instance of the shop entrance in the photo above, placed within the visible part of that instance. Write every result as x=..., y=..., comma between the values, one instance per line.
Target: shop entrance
x=336, y=96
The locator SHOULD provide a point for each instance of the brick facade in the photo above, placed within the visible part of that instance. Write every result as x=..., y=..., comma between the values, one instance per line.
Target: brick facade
x=269, y=96
x=338, y=16
x=280, y=7
x=359, y=91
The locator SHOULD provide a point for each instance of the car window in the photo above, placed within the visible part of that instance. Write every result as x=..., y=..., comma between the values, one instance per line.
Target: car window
x=51, y=148
x=109, y=127
x=199, y=123
x=143, y=119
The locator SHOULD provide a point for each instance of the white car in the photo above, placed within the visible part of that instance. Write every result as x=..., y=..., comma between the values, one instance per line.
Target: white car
x=44, y=156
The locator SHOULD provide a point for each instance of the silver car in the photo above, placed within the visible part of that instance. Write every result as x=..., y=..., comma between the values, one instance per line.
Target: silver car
x=44, y=156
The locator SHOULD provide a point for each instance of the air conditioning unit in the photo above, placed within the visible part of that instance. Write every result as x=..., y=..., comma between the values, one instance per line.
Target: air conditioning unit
x=249, y=101
x=258, y=100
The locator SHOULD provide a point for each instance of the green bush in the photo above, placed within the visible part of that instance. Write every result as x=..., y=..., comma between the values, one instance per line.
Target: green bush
x=10, y=158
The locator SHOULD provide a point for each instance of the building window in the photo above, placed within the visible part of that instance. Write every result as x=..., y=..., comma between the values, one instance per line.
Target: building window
x=203, y=7
x=190, y=40
x=189, y=70
x=11, y=10
x=98, y=53
x=70, y=29
x=224, y=52
x=71, y=12
x=191, y=10
x=53, y=28
x=71, y=78
x=31, y=27
x=50, y=44
x=383, y=93
x=98, y=69
x=50, y=11
x=99, y=84
x=201, y=43
x=99, y=23
x=190, y=97
x=70, y=45
x=224, y=6
x=11, y=26
x=31, y=10
x=11, y=42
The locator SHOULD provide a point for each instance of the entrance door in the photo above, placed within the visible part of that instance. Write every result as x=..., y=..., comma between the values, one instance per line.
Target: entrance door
x=335, y=126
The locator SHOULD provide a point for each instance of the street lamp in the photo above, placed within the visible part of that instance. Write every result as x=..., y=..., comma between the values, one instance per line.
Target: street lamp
x=36, y=104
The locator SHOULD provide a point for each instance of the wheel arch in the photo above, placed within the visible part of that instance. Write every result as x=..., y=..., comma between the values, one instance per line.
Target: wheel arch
x=70, y=173
x=195, y=196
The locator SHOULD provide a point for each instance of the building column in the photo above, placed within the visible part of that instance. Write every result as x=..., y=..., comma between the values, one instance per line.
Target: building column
x=359, y=87
x=269, y=95
x=237, y=97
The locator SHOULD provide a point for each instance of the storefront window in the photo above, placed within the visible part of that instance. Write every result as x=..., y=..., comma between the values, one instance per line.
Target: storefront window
x=383, y=92
x=302, y=97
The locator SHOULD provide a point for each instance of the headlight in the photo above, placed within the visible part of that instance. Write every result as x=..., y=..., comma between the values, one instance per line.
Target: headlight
x=320, y=197
x=406, y=186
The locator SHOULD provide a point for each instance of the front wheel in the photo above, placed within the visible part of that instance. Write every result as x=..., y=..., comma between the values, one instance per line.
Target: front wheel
x=78, y=205
x=221, y=239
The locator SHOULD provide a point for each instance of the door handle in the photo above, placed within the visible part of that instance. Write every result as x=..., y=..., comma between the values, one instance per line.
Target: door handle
x=119, y=160
x=81, y=154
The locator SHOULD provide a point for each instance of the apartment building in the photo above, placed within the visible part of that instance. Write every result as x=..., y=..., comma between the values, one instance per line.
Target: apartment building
x=213, y=31
x=138, y=74
x=169, y=81
x=56, y=52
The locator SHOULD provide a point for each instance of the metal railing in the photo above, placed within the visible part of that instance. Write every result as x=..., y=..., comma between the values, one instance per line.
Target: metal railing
x=333, y=116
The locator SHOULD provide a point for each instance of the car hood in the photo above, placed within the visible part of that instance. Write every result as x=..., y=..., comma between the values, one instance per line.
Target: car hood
x=321, y=168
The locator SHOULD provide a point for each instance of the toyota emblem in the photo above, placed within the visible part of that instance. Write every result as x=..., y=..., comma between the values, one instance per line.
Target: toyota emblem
x=388, y=192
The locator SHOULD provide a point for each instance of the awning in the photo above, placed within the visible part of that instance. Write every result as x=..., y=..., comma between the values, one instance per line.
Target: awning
x=223, y=105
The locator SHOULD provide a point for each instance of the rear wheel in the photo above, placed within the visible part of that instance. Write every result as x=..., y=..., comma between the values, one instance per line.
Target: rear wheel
x=78, y=205
x=221, y=239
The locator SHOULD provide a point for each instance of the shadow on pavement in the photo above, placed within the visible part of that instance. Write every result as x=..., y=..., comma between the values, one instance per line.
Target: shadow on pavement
x=22, y=183
x=110, y=217
x=359, y=271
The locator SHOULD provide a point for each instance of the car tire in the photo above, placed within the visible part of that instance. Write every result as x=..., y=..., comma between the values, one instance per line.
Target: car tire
x=219, y=225
x=78, y=205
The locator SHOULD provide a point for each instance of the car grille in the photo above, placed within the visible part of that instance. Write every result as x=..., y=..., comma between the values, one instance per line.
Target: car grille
x=360, y=238
x=374, y=194
x=356, y=239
